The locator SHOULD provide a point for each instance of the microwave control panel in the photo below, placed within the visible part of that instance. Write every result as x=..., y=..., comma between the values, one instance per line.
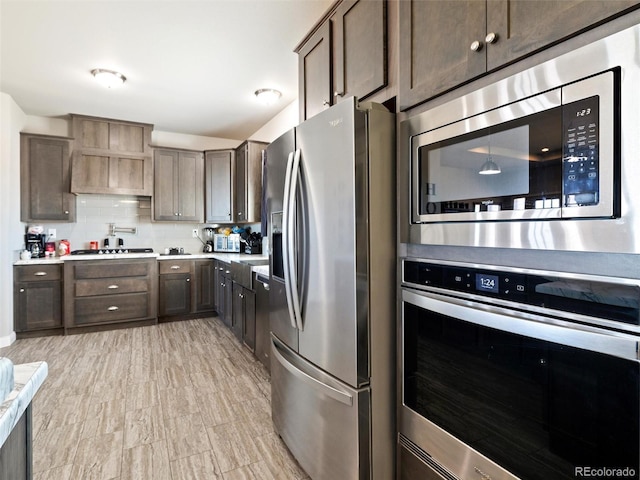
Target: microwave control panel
x=580, y=162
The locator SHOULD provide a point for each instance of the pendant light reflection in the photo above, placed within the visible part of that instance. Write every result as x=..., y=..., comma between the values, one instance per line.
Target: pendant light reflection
x=489, y=167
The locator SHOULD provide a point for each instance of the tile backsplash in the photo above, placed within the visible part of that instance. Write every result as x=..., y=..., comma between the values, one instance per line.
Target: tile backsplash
x=95, y=214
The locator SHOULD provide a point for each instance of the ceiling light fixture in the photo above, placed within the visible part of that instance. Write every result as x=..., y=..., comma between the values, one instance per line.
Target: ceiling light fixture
x=108, y=78
x=268, y=96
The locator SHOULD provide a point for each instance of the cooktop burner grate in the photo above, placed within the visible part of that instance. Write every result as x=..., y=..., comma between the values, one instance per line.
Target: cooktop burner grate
x=112, y=251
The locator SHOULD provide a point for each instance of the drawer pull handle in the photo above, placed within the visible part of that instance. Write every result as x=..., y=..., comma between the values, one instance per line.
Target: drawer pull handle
x=40, y=274
x=227, y=271
x=21, y=290
x=175, y=267
x=113, y=308
x=113, y=287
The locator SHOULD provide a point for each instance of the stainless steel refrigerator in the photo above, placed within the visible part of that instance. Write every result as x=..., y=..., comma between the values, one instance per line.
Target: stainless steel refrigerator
x=330, y=193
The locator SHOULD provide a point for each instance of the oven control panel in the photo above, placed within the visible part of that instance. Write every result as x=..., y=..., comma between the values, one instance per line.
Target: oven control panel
x=618, y=301
x=509, y=286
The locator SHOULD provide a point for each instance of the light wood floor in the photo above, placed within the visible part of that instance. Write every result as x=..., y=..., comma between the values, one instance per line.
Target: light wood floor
x=181, y=400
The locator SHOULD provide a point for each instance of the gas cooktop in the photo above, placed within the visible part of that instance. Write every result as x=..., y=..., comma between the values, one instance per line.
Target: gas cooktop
x=112, y=251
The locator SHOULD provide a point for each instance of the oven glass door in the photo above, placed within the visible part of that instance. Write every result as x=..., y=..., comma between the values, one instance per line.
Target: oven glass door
x=539, y=408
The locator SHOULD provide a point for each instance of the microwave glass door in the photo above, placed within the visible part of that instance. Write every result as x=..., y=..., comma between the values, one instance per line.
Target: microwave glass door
x=510, y=166
x=548, y=156
x=537, y=408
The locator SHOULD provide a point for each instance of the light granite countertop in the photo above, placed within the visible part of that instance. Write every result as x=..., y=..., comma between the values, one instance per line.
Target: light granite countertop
x=28, y=378
x=225, y=257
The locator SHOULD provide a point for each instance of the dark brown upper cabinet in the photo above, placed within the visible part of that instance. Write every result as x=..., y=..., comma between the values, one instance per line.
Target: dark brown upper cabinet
x=111, y=157
x=345, y=55
x=45, y=178
x=248, y=182
x=218, y=173
x=178, y=186
x=314, y=73
x=359, y=48
x=446, y=43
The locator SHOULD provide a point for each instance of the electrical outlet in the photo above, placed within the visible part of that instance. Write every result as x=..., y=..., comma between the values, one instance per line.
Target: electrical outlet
x=194, y=233
x=52, y=233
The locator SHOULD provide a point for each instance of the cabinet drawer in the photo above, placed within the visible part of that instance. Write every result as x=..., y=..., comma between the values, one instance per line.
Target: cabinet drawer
x=175, y=266
x=109, y=308
x=111, y=286
x=109, y=268
x=37, y=273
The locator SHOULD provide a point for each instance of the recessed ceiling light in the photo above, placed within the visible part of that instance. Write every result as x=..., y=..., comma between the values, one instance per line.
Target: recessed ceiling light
x=108, y=78
x=268, y=96
x=545, y=149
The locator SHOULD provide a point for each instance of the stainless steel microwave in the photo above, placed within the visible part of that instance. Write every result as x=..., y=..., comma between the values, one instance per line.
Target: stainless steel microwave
x=547, y=156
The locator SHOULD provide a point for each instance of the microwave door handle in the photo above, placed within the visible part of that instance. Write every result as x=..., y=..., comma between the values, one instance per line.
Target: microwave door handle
x=285, y=239
x=292, y=239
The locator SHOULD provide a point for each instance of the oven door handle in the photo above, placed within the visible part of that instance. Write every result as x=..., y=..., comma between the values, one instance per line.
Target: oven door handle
x=554, y=330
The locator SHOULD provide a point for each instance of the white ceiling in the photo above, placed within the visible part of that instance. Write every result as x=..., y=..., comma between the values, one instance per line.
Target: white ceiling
x=191, y=66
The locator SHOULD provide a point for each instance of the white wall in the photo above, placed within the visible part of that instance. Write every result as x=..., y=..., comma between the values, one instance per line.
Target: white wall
x=12, y=120
x=285, y=120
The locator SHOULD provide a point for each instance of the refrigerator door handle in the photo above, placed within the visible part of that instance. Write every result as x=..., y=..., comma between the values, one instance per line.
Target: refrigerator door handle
x=291, y=239
x=285, y=239
x=340, y=396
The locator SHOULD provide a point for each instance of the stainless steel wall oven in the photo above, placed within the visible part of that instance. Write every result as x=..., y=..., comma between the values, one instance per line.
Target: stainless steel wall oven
x=512, y=373
x=543, y=159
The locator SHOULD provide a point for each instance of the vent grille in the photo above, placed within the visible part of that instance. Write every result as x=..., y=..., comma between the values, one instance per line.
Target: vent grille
x=426, y=458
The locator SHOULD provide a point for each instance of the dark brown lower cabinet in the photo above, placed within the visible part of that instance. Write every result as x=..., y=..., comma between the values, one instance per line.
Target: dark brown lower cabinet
x=243, y=321
x=16, y=459
x=174, y=294
x=37, y=299
x=224, y=294
x=204, y=292
x=104, y=294
x=187, y=288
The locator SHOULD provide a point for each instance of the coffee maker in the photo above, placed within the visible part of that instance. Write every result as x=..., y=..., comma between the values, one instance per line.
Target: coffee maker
x=208, y=246
x=34, y=243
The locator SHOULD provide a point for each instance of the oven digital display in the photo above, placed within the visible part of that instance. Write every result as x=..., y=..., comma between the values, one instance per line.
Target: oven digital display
x=487, y=283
